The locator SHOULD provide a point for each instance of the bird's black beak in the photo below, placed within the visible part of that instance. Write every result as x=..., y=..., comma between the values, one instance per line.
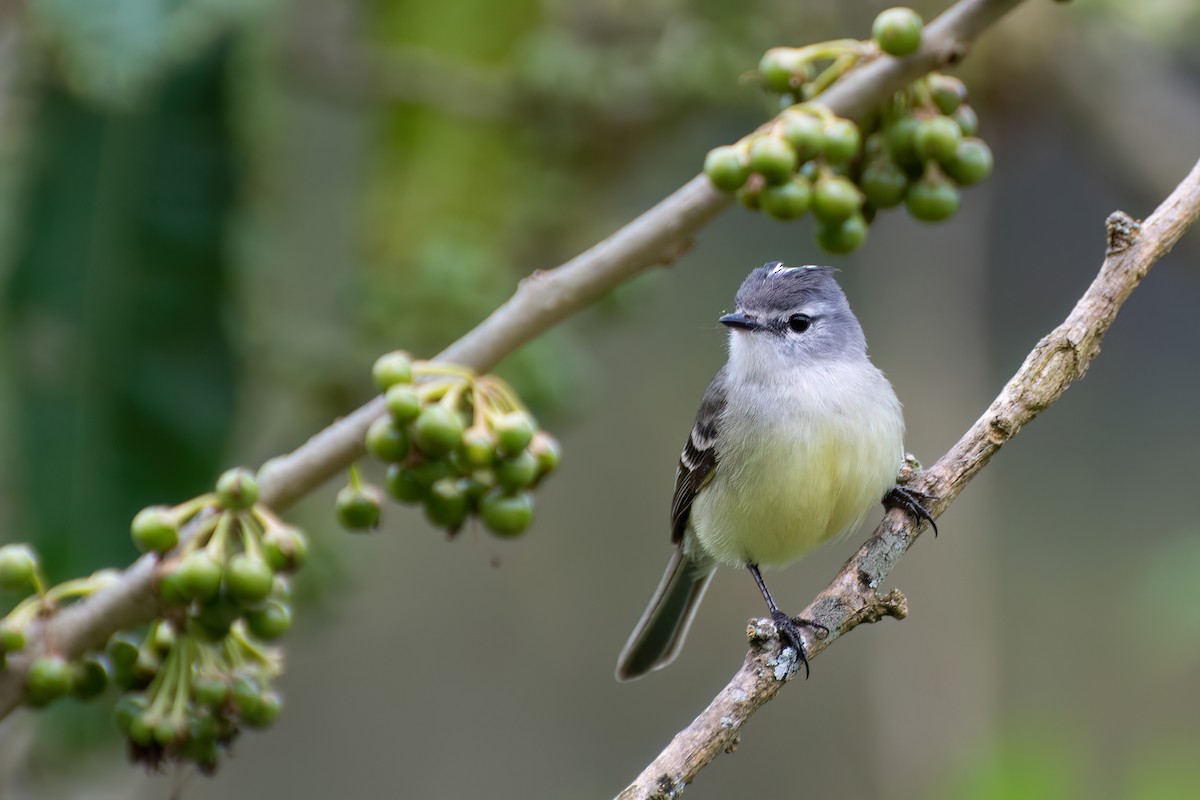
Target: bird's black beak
x=740, y=321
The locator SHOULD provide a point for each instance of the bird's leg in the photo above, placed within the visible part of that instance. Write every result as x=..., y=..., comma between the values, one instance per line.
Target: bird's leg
x=788, y=628
x=911, y=501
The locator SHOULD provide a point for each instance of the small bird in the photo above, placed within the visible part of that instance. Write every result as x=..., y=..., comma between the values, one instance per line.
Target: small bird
x=798, y=436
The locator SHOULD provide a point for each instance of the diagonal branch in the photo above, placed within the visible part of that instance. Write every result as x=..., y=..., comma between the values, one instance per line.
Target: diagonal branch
x=658, y=236
x=1056, y=362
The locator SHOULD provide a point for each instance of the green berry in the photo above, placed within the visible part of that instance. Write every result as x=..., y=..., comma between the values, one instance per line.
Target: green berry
x=514, y=431
x=506, y=513
x=358, y=508
x=89, y=677
x=271, y=621
x=842, y=237
x=773, y=158
x=200, y=575
x=787, y=200
x=966, y=119
x=210, y=691
x=446, y=505
x=517, y=472
x=972, y=162
x=897, y=31
x=237, y=489
x=140, y=730
x=155, y=529
x=11, y=639
x=948, y=93
x=18, y=566
x=779, y=69
x=172, y=589
x=285, y=548
x=122, y=650
x=937, y=139
x=402, y=485
x=128, y=708
x=216, y=616
x=727, y=167
x=933, y=198
x=478, y=447
x=547, y=451
x=246, y=695
x=249, y=579
x=901, y=139
x=884, y=183
x=391, y=369
x=48, y=678
x=835, y=199
x=165, y=733
x=386, y=441
x=403, y=403
x=842, y=141
x=804, y=132
x=162, y=636
x=264, y=712
x=438, y=430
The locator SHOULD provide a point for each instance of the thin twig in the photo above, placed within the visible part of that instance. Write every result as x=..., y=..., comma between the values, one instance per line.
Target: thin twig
x=658, y=236
x=1056, y=362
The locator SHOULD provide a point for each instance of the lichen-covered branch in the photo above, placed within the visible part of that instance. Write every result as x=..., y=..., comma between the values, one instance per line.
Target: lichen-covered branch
x=1056, y=362
x=658, y=236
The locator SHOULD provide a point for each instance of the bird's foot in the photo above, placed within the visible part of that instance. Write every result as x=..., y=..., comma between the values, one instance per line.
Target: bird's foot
x=789, y=634
x=911, y=501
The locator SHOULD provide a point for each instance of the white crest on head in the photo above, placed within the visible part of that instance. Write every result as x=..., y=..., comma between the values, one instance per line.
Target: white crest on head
x=779, y=267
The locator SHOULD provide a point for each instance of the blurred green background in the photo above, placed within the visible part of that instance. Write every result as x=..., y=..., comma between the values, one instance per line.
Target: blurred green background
x=215, y=214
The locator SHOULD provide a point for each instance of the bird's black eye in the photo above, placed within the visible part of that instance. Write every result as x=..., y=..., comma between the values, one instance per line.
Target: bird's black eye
x=799, y=322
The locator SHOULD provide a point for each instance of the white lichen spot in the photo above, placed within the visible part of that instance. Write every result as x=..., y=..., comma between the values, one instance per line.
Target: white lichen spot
x=728, y=722
x=786, y=664
x=738, y=695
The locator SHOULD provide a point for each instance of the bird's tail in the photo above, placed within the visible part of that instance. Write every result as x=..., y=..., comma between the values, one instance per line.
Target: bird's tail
x=660, y=632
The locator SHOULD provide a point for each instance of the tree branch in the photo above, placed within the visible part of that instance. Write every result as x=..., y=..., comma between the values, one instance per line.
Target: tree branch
x=1057, y=361
x=658, y=236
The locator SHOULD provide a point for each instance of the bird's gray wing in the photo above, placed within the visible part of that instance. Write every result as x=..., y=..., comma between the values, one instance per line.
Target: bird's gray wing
x=699, y=457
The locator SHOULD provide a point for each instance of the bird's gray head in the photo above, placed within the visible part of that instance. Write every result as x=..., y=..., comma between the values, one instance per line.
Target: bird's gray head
x=789, y=316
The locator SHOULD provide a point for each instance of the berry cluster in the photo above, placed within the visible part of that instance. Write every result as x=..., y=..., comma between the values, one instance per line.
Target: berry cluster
x=457, y=443
x=917, y=149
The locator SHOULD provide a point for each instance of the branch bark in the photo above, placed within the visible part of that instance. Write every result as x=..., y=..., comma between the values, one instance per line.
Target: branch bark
x=658, y=236
x=1060, y=359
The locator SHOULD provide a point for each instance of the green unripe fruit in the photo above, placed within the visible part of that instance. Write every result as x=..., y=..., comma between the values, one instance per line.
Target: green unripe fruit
x=246, y=694
x=478, y=447
x=933, y=198
x=249, y=579
x=773, y=158
x=779, y=68
x=216, y=616
x=842, y=140
x=835, y=199
x=547, y=451
x=506, y=513
x=402, y=485
x=972, y=162
x=128, y=707
x=263, y=713
x=18, y=566
x=11, y=639
x=89, y=678
x=165, y=732
x=804, y=132
x=270, y=622
x=787, y=200
x=937, y=139
x=948, y=93
x=154, y=529
x=358, y=508
x=966, y=119
x=285, y=548
x=403, y=403
x=140, y=731
x=517, y=472
x=901, y=139
x=210, y=692
x=392, y=368
x=162, y=637
x=842, y=237
x=199, y=575
x=237, y=489
x=172, y=589
x=122, y=649
x=897, y=31
x=386, y=441
x=447, y=504
x=514, y=431
x=884, y=184
x=48, y=678
x=438, y=430
x=727, y=167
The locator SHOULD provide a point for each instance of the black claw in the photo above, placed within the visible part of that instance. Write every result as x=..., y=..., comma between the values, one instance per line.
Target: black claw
x=911, y=501
x=789, y=636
